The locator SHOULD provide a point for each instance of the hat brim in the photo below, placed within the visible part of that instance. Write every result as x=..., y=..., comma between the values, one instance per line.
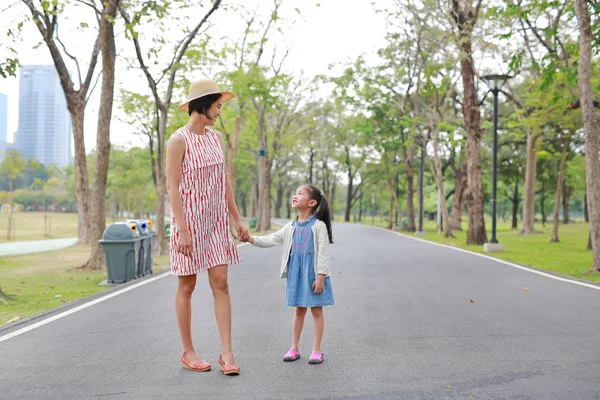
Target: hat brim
x=225, y=96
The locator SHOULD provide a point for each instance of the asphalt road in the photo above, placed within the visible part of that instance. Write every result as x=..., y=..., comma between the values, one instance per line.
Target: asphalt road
x=403, y=327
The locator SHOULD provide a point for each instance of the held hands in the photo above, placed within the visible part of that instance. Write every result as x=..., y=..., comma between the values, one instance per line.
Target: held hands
x=319, y=284
x=243, y=233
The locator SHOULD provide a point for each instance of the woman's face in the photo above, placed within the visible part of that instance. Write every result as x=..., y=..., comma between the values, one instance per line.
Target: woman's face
x=214, y=112
x=302, y=200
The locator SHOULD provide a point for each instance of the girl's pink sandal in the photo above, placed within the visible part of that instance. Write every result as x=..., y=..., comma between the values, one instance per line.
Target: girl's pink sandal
x=315, y=358
x=291, y=355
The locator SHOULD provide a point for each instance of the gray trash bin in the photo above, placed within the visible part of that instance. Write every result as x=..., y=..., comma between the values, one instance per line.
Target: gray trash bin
x=121, y=245
x=149, y=258
x=145, y=248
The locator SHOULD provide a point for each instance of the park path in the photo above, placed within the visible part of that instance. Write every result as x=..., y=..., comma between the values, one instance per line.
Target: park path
x=35, y=246
x=412, y=320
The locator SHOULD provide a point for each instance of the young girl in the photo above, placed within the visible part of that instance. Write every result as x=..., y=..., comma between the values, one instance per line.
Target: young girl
x=305, y=263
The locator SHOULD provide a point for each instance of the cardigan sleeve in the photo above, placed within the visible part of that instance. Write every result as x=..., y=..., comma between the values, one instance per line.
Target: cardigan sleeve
x=274, y=239
x=324, y=251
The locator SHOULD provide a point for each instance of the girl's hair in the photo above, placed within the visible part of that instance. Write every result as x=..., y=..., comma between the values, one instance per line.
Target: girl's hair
x=321, y=210
x=202, y=105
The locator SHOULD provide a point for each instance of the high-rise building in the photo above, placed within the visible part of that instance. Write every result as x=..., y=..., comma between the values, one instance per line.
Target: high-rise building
x=3, y=118
x=44, y=131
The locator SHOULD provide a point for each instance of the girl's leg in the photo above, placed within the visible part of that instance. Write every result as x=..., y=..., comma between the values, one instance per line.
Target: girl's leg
x=297, y=326
x=319, y=326
x=183, y=309
x=217, y=277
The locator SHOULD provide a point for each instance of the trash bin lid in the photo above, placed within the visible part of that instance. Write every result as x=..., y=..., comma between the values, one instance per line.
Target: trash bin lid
x=119, y=231
x=142, y=228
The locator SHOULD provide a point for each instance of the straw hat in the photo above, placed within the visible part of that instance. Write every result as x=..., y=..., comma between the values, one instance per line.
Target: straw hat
x=204, y=87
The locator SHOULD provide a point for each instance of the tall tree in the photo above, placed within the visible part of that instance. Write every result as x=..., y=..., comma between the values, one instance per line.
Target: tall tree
x=591, y=123
x=46, y=16
x=465, y=16
x=107, y=47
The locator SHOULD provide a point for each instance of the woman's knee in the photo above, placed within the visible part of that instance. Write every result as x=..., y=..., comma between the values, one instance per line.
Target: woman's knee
x=186, y=284
x=218, y=280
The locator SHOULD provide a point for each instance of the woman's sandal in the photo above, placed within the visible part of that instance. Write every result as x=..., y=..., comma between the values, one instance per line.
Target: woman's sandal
x=203, y=367
x=228, y=369
x=315, y=358
x=291, y=355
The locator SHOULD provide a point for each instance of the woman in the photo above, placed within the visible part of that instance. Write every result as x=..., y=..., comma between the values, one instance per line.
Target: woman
x=201, y=200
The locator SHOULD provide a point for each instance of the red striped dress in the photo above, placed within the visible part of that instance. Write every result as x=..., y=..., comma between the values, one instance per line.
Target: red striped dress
x=204, y=197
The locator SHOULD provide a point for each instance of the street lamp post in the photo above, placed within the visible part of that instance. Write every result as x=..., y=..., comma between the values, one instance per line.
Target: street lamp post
x=495, y=82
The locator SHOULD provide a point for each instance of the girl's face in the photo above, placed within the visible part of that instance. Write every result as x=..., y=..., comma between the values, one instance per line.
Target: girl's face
x=302, y=200
x=214, y=111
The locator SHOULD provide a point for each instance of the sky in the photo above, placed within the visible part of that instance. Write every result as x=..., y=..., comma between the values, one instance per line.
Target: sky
x=332, y=32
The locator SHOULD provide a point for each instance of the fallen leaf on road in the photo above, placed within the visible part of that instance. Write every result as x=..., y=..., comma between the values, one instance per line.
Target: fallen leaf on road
x=526, y=288
x=449, y=387
x=471, y=301
x=15, y=319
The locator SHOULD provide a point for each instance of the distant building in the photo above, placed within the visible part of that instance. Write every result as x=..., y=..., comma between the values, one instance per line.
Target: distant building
x=44, y=131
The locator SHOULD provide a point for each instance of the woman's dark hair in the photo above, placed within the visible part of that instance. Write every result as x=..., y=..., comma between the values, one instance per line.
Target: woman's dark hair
x=322, y=211
x=203, y=104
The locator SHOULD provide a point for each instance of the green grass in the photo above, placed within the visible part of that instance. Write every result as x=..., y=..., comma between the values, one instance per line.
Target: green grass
x=30, y=226
x=43, y=281
x=569, y=257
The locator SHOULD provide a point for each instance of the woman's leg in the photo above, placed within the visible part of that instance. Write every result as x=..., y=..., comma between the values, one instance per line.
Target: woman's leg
x=217, y=277
x=183, y=309
x=319, y=327
x=297, y=326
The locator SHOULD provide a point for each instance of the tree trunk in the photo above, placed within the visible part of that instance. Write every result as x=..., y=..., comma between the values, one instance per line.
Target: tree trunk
x=458, y=202
x=107, y=47
x=542, y=204
x=566, y=196
x=591, y=124
x=254, y=199
x=311, y=166
x=244, y=201
x=332, y=198
x=279, y=198
x=84, y=220
x=586, y=214
x=438, y=174
x=349, y=197
x=410, y=190
x=390, y=214
x=559, y=189
x=263, y=194
x=161, y=189
x=476, y=234
x=589, y=245
x=515, y=206
x=530, y=177
x=232, y=152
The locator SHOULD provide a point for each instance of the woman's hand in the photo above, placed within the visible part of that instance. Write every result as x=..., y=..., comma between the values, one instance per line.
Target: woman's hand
x=319, y=284
x=242, y=231
x=184, y=243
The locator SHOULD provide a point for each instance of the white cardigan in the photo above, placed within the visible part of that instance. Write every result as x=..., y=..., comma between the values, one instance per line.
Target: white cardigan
x=284, y=236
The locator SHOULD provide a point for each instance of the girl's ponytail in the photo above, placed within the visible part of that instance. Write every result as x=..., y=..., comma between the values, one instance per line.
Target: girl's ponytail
x=322, y=212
